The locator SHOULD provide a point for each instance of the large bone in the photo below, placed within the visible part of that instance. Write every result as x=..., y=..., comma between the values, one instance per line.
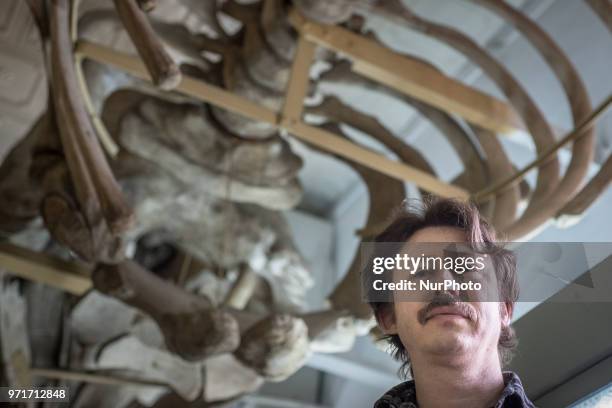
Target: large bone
x=330, y=331
x=281, y=197
x=97, y=192
x=164, y=71
x=506, y=201
x=183, y=45
x=279, y=34
x=187, y=45
x=267, y=43
x=261, y=70
x=94, y=307
x=102, y=395
x=56, y=202
x=127, y=354
x=582, y=150
x=243, y=12
x=242, y=290
x=207, y=11
x=326, y=12
x=147, y=5
x=39, y=14
x=246, y=87
x=573, y=211
x=259, y=66
x=15, y=354
x=219, y=369
x=39, y=183
x=20, y=195
x=275, y=347
x=192, y=328
x=275, y=165
x=68, y=226
x=318, y=322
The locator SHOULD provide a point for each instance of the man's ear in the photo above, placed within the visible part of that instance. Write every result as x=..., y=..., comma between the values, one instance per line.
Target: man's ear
x=506, y=311
x=385, y=317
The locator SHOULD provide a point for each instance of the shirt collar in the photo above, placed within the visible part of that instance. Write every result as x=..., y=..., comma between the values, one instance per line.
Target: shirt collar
x=404, y=395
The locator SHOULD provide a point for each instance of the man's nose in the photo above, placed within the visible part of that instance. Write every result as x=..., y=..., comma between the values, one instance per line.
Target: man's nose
x=445, y=274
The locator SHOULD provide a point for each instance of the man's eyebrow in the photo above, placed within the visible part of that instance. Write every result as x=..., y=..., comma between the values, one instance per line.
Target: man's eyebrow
x=463, y=248
x=455, y=252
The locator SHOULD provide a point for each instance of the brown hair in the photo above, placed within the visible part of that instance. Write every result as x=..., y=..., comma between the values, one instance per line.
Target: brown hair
x=452, y=213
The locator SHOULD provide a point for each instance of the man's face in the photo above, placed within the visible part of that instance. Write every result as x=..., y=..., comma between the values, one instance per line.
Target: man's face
x=439, y=324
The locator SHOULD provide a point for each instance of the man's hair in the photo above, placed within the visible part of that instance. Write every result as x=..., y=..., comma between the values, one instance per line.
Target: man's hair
x=439, y=212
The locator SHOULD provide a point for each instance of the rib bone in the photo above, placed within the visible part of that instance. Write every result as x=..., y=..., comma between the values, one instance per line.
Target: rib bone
x=573, y=210
x=538, y=213
x=147, y=5
x=96, y=190
x=164, y=71
x=540, y=130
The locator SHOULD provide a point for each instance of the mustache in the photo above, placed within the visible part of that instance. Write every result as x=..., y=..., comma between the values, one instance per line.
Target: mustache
x=445, y=299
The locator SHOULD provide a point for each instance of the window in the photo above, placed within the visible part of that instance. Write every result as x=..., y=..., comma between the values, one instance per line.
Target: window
x=599, y=399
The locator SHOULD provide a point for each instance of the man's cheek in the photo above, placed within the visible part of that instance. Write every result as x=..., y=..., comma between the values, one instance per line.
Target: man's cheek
x=489, y=316
x=408, y=331
x=407, y=313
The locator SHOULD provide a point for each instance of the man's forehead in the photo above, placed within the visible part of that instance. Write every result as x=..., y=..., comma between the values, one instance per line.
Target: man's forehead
x=438, y=234
x=434, y=241
x=437, y=248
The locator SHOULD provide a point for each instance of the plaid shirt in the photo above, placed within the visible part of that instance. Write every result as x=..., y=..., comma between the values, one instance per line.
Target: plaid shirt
x=404, y=395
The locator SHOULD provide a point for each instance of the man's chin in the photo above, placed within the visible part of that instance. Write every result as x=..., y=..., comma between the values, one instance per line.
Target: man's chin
x=452, y=328
x=447, y=342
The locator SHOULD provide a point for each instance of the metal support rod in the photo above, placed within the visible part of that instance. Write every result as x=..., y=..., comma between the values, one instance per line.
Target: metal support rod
x=586, y=124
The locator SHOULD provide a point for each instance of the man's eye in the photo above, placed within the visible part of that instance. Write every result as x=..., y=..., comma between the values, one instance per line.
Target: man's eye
x=420, y=273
